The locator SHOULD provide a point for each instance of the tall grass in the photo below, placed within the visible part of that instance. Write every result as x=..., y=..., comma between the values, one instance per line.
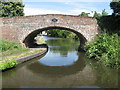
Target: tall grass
x=5, y=45
x=8, y=48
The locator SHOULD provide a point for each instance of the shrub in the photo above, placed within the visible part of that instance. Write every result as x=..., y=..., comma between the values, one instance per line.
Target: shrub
x=8, y=64
x=105, y=48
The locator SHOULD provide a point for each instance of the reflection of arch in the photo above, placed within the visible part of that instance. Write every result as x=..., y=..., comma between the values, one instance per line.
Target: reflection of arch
x=54, y=71
x=29, y=40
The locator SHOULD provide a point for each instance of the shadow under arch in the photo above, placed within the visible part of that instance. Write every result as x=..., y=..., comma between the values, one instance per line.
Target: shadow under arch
x=58, y=71
x=30, y=42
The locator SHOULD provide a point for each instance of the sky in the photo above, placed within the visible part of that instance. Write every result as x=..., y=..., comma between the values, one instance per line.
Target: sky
x=69, y=7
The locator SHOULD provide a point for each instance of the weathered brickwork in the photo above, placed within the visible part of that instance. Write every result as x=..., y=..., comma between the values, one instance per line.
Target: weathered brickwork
x=18, y=28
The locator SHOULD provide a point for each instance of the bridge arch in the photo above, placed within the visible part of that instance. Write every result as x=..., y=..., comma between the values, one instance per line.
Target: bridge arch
x=19, y=29
x=29, y=39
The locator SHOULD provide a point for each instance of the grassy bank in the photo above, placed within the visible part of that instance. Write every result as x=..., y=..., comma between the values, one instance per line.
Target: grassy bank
x=10, y=52
x=9, y=48
x=11, y=61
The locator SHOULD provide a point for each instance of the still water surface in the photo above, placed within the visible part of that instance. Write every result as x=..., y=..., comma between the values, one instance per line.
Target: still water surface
x=61, y=67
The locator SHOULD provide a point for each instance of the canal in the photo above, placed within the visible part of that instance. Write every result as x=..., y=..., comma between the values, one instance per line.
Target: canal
x=61, y=67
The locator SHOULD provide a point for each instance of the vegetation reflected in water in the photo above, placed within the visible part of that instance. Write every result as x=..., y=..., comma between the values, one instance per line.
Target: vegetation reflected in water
x=82, y=72
x=61, y=52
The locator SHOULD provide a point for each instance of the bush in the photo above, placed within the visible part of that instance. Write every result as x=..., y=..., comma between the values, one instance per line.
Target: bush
x=8, y=64
x=105, y=48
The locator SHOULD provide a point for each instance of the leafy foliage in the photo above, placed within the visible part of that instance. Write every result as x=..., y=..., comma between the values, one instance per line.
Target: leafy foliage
x=8, y=64
x=105, y=48
x=98, y=15
x=61, y=33
x=10, y=9
x=104, y=13
x=115, y=6
x=110, y=24
x=84, y=14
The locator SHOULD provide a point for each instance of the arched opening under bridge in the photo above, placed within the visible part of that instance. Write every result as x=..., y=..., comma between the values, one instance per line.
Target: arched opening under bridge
x=29, y=40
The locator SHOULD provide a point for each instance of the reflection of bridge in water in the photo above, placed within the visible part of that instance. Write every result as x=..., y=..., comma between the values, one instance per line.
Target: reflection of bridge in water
x=23, y=29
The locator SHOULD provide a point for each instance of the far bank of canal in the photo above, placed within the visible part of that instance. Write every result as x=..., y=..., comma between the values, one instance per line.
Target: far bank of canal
x=61, y=67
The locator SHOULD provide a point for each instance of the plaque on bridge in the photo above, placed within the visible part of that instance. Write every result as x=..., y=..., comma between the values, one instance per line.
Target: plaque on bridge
x=54, y=20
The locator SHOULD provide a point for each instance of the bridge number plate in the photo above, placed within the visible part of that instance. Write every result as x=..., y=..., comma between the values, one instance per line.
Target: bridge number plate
x=54, y=20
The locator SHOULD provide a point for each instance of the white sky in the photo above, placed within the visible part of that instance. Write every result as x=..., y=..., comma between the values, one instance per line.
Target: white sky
x=38, y=7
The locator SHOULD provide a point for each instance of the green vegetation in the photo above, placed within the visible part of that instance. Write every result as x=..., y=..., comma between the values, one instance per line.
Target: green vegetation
x=8, y=64
x=115, y=5
x=10, y=9
x=84, y=14
x=105, y=49
x=96, y=14
x=8, y=48
x=99, y=15
x=13, y=51
x=61, y=33
x=11, y=48
x=110, y=24
x=5, y=45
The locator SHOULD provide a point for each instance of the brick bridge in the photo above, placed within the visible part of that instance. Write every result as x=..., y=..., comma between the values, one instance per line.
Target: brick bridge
x=23, y=29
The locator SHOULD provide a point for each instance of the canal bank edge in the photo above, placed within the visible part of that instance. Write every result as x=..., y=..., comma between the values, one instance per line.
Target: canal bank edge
x=31, y=56
x=22, y=59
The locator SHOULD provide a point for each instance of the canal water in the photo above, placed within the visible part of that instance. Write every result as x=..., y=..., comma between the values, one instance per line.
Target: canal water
x=61, y=67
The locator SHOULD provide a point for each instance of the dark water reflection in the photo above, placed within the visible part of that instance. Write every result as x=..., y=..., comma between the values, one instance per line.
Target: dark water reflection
x=74, y=70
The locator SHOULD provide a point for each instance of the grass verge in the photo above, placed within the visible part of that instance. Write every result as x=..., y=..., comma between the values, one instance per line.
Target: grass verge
x=10, y=52
x=11, y=61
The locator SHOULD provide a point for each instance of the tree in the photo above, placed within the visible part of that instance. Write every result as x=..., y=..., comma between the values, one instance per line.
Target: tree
x=11, y=9
x=84, y=14
x=115, y=5
x=97, y=15
x=104, y=13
